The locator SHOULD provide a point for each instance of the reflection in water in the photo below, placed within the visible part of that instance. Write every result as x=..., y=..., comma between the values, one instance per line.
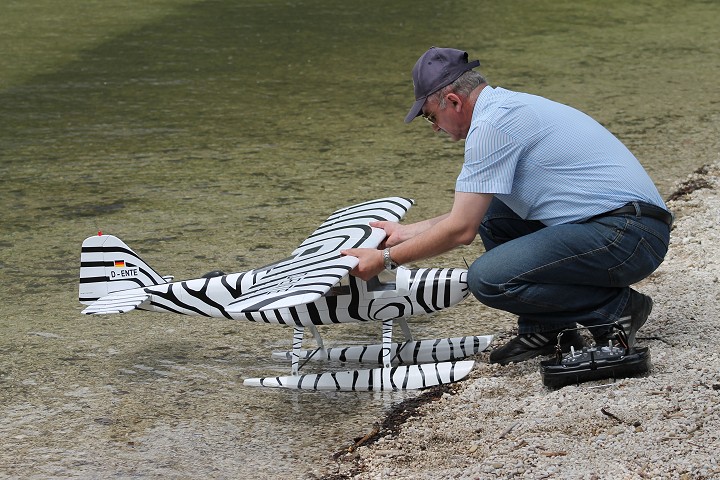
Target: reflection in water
x=217, y=135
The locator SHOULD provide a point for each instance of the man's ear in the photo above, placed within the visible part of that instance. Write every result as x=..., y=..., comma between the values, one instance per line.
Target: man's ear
x=455, y=101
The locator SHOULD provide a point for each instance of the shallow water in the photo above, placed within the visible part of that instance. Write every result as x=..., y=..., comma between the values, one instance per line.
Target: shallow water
x=217, y=135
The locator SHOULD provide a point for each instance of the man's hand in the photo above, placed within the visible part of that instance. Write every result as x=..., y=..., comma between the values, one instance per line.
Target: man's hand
x=371, y=262
x=424, y=239
x=395, y=233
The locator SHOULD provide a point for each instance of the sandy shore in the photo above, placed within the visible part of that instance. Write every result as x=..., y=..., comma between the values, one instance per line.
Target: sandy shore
x=503, y=423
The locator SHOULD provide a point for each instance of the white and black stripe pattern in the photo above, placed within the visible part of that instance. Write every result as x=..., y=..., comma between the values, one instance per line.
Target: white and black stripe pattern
x=120, y=302
x=316, y=265
x=98, y=258
x=403, y=377
x=437, y=289
x=297, y=289
x=419, y=291
x=535, y=341
x=311, y=288
x=427, y=291
x=409, y=352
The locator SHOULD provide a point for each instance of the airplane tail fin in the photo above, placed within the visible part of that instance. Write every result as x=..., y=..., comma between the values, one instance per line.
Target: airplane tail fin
x=108, y=265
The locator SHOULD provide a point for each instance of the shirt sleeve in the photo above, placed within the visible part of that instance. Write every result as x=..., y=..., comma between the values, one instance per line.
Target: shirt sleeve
x=491, y=157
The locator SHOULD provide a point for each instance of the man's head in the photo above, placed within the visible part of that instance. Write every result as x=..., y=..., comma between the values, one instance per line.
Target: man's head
x=435, y=69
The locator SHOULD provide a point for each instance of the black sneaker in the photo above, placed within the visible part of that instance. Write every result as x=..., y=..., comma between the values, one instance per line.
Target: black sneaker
x=530, y=345
x=633, y=318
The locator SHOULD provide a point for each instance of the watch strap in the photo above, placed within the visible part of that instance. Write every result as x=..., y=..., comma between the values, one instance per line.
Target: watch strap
x=389, y=264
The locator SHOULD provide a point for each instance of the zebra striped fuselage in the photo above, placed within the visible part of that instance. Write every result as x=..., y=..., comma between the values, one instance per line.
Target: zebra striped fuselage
x=312, y=286
x=414, y=292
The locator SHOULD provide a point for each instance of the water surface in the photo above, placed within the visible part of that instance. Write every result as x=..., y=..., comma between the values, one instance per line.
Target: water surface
x=217, y=135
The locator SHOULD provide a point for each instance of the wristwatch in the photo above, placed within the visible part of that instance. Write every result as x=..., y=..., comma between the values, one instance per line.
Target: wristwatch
x=389, y=264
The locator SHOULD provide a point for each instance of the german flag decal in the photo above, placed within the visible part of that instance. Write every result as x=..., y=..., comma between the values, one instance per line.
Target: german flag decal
x=119, y=263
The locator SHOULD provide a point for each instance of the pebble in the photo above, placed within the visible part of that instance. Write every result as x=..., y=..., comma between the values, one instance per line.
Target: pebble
x=667, y=422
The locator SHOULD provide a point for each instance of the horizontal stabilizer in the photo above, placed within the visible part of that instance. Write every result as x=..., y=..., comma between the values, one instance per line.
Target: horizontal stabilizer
x=119, y=302
x=404, y=377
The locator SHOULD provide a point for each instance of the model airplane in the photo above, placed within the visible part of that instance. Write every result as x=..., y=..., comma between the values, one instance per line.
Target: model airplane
x=312, y=287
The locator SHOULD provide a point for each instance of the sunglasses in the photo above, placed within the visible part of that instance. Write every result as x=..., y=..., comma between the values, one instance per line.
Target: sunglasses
x=429, y=117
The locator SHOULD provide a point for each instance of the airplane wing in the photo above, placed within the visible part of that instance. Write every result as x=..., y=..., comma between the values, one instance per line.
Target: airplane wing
x=316, y=265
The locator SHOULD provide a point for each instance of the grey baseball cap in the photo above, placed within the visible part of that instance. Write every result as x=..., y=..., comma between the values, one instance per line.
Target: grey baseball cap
x=435, y=69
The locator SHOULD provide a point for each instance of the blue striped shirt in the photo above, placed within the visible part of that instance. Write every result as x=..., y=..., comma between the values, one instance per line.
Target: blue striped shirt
x=547, y=161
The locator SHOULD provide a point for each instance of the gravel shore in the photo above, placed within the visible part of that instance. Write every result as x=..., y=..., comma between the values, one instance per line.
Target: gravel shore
x=503, y=423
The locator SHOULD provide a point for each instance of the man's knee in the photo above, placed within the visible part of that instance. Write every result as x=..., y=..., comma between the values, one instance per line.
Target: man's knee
x=482, y=285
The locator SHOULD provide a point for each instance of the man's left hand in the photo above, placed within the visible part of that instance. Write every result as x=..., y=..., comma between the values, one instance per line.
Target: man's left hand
x=371, y=262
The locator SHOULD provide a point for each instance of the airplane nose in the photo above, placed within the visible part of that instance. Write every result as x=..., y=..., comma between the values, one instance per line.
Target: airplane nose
x=458, y=285
x=437, y=288
x=452, y=286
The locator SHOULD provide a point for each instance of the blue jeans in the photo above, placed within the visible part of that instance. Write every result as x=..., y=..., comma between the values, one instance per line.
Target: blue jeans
x=553, y=277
